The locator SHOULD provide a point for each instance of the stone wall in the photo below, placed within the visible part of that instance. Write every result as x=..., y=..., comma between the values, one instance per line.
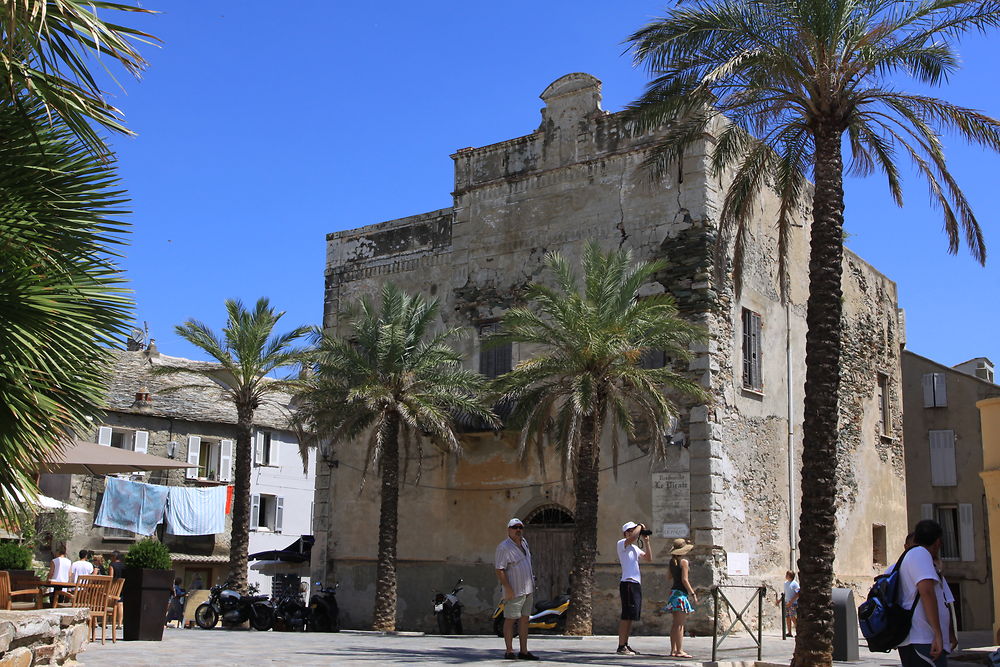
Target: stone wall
x=43, y=637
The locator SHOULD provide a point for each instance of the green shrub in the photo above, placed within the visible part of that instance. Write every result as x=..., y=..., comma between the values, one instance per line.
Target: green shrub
x=148, y=553
x=15, y=557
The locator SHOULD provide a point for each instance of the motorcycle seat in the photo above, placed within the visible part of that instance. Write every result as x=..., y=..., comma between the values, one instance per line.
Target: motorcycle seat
x=551, y=604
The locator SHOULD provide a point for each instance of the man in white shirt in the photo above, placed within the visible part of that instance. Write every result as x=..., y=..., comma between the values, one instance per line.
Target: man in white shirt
x=513, y=566
x=630, y=586
x=920, y=588
x=82, y=566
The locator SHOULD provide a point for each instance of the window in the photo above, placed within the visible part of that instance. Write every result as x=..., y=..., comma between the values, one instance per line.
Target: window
x=653, y=359
x=878, y=545
x=494, y=361
x=266, y=512
x=213, y=458
x=942, y=447
x=118, y=534
x=958, y=540
x=935, y=390
x=123, y=438
x=265, y=449
x=884, y=411
x=751, y=351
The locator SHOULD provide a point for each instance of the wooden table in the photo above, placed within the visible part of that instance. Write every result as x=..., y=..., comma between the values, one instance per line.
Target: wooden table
x=57, y=585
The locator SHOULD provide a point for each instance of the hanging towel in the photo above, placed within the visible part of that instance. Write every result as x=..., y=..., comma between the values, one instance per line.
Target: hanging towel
x=196, y=511
x=131, y=506
x=229, y=498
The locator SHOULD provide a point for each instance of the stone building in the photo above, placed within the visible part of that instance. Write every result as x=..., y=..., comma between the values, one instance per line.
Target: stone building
x=195, y=424
x=730, y=483
x=944, y=458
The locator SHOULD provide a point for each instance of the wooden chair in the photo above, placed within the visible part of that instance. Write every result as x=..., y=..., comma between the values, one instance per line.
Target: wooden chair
x=115, y=606
x=93, y=595
x=6, y=595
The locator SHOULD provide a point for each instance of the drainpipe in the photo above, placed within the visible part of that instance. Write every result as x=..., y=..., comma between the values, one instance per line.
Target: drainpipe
x=791, y=437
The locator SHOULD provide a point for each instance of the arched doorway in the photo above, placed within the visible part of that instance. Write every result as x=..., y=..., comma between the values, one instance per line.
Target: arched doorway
x=550, y=535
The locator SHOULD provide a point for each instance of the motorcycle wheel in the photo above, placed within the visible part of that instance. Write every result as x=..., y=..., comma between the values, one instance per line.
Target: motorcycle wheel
x=205, y=616
x=498, y=626
x=262, y=617
x=456, y=626
x=443, y=625
x=318, y=621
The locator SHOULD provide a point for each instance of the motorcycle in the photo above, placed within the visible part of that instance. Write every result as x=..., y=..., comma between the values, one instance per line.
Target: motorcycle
x=324, y=614
x=234, y=608
x=549, y=615
x=448, y=610
x=290, y=613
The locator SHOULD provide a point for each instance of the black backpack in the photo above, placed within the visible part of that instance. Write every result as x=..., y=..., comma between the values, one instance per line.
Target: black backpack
x=884, y=621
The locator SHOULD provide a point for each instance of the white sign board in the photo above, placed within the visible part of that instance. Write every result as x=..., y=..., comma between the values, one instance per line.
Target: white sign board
x=675, y=530
x=737, y=564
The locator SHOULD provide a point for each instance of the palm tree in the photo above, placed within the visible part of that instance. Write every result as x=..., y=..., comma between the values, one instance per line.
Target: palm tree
x=248, y=352
x=782, y=83
x=62, y=297
x=588, y=378
x=389, y=382
x=44, y=46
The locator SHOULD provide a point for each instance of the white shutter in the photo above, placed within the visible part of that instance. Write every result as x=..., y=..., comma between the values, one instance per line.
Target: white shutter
x=254, y=511
x=275, y=448
x=194, y=450
x=942, y=445
x=104, y=436
x=279, y=512
x=141, y=442
x=258, y=449
x=940, y=390
x=226, y=460
x=966, y=538
x=927, y=382
x=927, y=511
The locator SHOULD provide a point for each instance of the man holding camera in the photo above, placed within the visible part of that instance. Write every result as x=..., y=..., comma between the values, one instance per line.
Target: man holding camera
x=630, y=588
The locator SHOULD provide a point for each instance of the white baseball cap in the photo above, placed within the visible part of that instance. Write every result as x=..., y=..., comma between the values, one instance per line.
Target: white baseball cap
x=515, y=522
x=628, y=525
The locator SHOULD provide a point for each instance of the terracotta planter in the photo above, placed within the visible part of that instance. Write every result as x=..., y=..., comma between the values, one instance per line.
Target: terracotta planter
x=145, y=597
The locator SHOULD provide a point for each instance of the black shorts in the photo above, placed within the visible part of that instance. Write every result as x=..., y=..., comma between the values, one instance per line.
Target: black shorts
x=631, y=594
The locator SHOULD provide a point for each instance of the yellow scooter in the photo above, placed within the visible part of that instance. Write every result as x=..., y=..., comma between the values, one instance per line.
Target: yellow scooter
x=550, y=615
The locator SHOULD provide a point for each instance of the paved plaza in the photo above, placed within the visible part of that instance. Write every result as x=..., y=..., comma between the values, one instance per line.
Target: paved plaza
x=247, y=647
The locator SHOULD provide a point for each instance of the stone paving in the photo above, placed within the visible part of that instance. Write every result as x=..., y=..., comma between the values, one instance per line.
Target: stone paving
x=210, y=648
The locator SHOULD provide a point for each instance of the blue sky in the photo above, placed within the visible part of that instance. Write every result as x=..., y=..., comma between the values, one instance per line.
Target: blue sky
x=260, y=131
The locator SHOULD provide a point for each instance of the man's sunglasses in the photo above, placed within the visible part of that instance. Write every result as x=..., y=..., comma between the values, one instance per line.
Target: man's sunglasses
x=517, y=527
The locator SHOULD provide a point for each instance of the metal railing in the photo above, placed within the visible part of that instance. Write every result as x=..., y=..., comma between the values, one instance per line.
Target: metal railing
x=719, y=595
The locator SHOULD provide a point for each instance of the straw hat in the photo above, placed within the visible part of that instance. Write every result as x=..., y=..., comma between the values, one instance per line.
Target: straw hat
x=680, y=547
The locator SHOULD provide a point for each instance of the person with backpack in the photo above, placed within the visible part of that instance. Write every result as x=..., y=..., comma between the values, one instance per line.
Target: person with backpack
x=920, y=586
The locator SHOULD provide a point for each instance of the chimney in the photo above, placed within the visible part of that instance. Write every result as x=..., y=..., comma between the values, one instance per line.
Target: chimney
x=143, y=400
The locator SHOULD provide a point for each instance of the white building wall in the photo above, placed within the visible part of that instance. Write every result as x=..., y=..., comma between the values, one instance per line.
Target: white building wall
x=286, y=481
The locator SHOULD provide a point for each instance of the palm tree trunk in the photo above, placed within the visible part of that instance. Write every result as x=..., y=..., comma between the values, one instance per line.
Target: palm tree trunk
x=385, y=573
x=817, y=532
x=240, y=534
x=580, y=616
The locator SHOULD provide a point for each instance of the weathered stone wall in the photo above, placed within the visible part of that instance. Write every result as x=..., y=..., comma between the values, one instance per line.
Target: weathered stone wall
x=578, y=178
x=43, y=637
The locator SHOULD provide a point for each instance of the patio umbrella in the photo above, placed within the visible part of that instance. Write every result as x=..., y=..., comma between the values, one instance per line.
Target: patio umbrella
x=90, y=458
x=48, y=503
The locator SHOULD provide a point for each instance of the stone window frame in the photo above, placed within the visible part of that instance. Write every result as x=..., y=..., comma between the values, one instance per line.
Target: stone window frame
x=751, y=335
x=883, y=396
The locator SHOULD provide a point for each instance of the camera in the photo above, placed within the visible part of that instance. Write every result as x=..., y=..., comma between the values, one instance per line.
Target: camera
x=645, y=533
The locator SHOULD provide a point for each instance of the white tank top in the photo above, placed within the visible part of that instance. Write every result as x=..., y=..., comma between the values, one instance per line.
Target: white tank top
x=61, y=571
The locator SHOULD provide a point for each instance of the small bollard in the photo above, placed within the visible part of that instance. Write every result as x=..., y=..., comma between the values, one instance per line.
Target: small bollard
x=845, y=625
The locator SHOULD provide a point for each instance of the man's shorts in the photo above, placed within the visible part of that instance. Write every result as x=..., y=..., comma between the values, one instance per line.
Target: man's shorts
x=919, y=655
x=519, y=606
x=792, y=610
x=631, y=594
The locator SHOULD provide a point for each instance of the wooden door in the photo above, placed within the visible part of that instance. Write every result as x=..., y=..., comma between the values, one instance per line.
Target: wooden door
x=551, y=558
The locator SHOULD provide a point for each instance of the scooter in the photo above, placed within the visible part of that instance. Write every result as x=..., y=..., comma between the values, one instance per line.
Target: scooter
x=324, y=614
x=448, y=610
x=550, y=615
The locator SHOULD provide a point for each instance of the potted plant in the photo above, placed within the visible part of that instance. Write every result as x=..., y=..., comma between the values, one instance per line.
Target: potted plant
x=148, y=581
x=16, y=559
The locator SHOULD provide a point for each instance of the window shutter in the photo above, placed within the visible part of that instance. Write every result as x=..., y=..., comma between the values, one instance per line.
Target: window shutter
x=942, y=458
x=927, y=382
x=254, y=511
x=966, y=538
x=927, y=511
x=272, y=457
x=279, y=513
x=194, y=450
x=258, y=449
x=104, y=436
x=940, y=390
x=226, y=461
x=140, y=443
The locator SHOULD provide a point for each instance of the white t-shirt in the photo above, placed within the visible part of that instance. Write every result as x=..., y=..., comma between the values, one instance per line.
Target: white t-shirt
x=61, y=570
x=80, y=567
x=918, y=566
x=791, y=590
x=629, y=558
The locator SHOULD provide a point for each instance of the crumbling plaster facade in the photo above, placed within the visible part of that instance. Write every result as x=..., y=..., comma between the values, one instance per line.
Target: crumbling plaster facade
x=578, y=177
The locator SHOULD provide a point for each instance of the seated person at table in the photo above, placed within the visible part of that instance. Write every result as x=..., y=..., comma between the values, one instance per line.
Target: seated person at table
x=82, y=566
x=59, y=569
